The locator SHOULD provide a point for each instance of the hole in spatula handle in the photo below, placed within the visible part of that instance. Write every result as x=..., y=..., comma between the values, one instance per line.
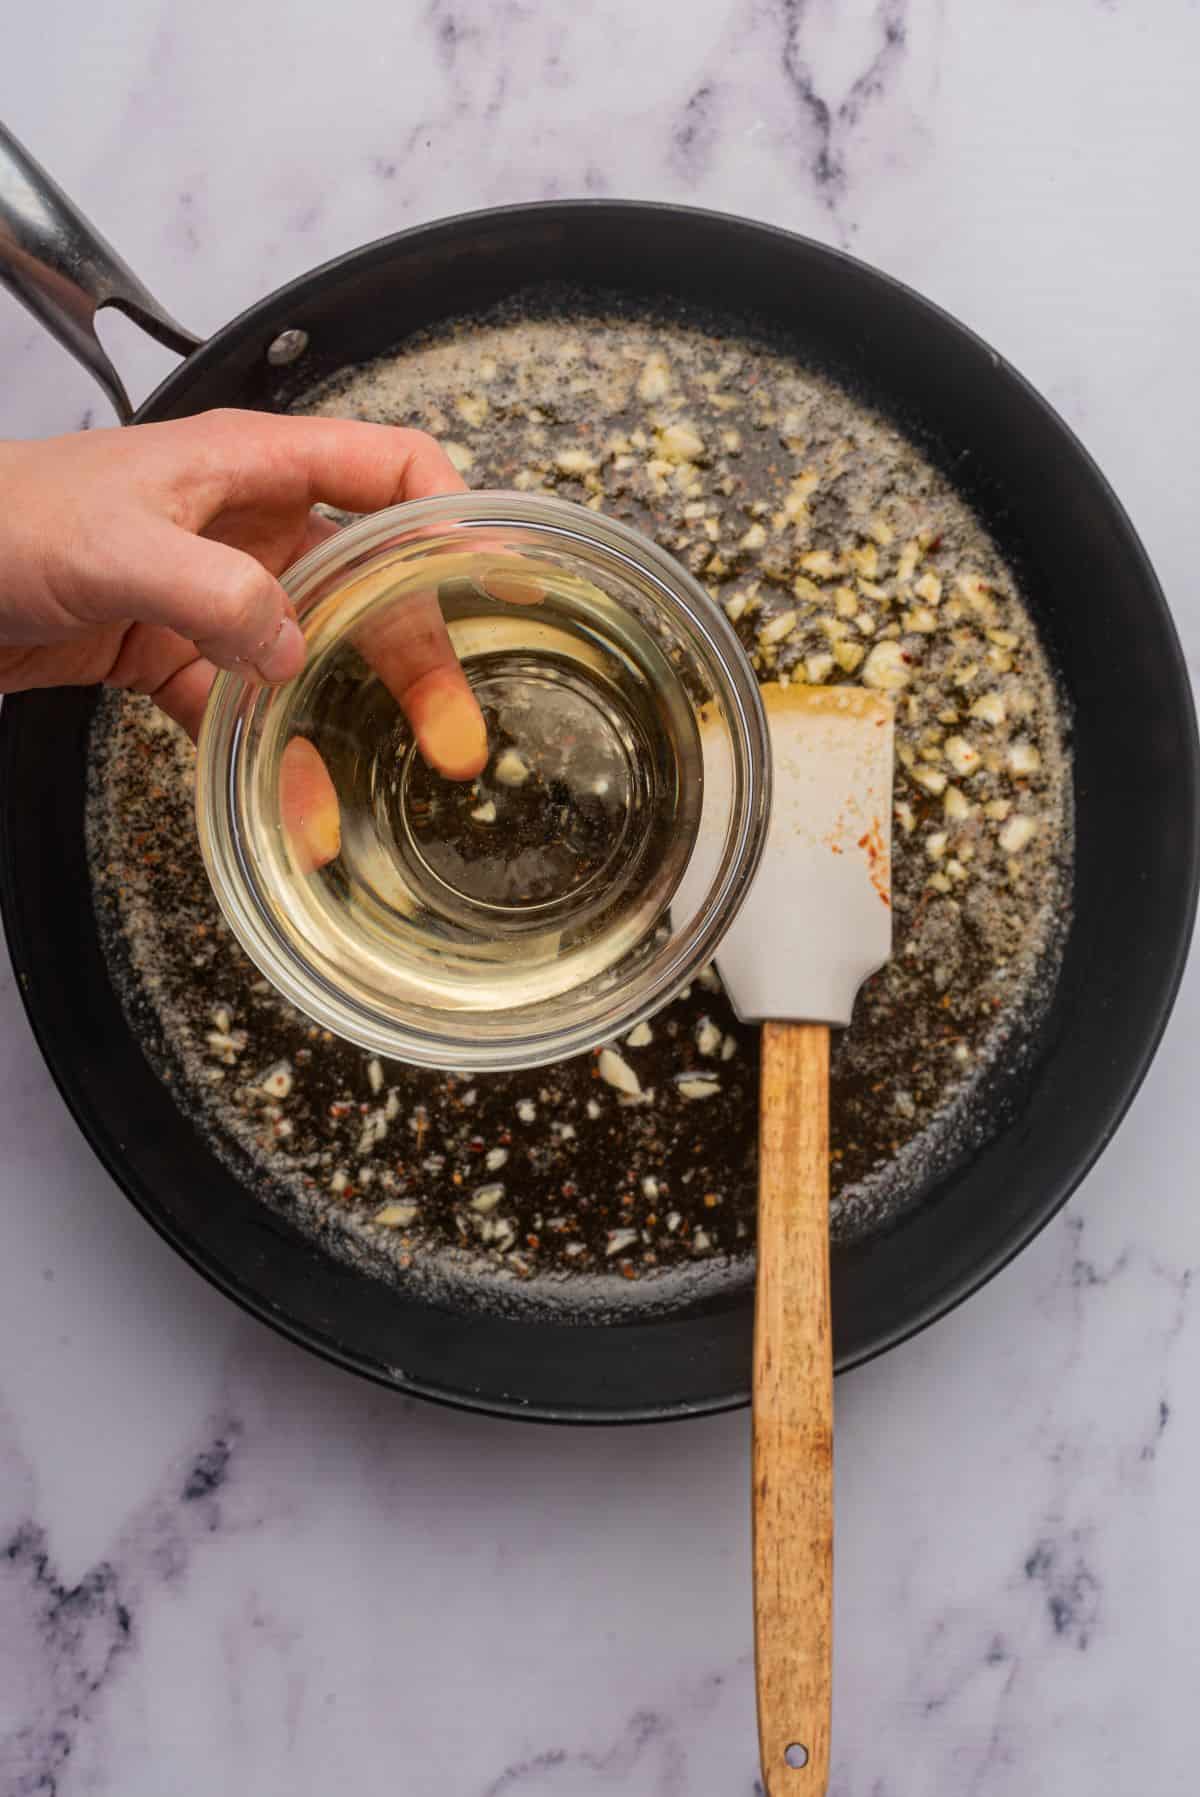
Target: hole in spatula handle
x=796, y=1756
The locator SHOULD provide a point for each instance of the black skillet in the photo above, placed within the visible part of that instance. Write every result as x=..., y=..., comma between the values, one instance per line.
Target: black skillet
x=1097, y=602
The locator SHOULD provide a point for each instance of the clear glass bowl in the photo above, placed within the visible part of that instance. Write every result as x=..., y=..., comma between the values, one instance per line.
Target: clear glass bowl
x=592, y=868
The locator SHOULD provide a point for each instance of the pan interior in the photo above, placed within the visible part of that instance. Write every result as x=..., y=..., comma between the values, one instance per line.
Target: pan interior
x=625, y=1185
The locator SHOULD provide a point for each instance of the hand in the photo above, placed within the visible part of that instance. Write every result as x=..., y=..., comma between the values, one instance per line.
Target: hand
x=146, y=558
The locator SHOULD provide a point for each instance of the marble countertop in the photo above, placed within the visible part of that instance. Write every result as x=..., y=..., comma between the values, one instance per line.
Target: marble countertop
x=226, y=1567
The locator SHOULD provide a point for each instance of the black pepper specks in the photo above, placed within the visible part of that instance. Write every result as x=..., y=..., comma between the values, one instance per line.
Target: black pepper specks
x=824, y=535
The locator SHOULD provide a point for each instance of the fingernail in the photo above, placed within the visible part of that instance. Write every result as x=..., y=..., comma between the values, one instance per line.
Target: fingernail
x=284, y=658
x=453, y=736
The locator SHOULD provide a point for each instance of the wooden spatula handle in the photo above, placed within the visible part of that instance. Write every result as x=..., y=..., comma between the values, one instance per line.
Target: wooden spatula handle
x=793, y=1413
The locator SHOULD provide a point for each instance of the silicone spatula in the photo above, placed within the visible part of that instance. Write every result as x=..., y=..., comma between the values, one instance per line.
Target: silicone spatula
x=816, y=923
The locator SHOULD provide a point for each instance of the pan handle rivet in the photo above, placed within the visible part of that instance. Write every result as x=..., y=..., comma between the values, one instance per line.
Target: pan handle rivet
x=286, y=348
x=796, y=1756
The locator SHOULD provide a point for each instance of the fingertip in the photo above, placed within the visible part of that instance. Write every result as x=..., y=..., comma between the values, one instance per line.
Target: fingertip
x=449, y=726
x=308, y=806
x=282, y=659
x=247, y=620
x=428, y=471
x=512, y=589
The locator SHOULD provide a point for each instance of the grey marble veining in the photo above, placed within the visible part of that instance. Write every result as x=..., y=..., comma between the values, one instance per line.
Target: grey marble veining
x=226, y=1567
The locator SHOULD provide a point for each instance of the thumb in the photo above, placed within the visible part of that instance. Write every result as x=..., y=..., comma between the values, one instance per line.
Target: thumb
x=221, y=599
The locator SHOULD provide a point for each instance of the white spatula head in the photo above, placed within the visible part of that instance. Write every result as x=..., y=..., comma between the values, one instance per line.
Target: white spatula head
x=818, y=918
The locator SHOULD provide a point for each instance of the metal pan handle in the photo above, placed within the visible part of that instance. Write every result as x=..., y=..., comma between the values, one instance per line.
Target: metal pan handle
x=61, y=268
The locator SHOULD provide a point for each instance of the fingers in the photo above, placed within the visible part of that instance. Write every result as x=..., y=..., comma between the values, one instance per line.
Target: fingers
x=448, y=723
x=308, y=806
x=184, y=696
x=512, y=589
x=243, y=461
x=219, y=598
x=164, y=666
x=410, y=649
x=241, y=464
x=240, y=616
x=308, y=803
x=239, y=468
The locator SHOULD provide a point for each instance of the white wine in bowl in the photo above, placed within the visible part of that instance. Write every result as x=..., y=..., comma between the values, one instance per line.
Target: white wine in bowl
x=525, y=914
